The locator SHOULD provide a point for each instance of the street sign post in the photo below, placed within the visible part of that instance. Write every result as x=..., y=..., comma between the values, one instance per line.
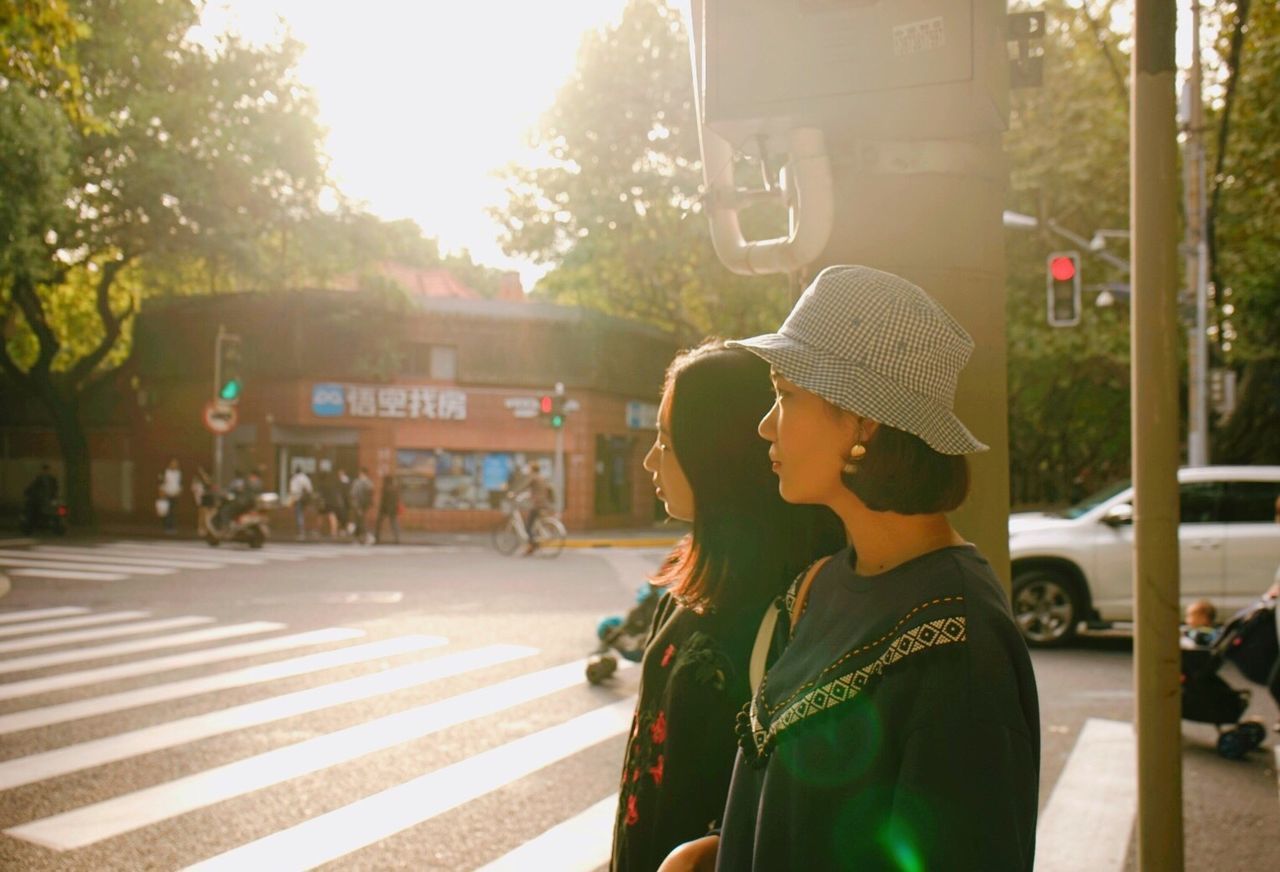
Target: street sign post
x=219, y=418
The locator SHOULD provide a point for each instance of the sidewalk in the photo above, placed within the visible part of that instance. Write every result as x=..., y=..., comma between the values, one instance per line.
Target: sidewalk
x=657, y=536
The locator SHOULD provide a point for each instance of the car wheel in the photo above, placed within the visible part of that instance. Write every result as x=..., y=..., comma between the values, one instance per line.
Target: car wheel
x=1046, y=607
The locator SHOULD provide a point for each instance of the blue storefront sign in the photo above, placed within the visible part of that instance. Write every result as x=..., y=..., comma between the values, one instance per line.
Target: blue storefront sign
x=328, y=400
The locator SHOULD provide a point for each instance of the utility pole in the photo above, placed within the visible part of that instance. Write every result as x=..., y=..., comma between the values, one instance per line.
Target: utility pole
x=1197, y=251
x=217, y=386
x=1154, y=377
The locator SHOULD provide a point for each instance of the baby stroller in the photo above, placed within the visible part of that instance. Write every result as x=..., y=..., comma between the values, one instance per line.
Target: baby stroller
x=1249, y=641
x=624, y=635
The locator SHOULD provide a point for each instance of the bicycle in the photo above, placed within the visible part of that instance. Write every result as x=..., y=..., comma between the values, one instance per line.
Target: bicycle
x=548, y=533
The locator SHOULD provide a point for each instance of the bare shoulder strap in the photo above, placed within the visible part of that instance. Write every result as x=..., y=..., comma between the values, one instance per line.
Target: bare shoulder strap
x=764, y=635
x=802, y=594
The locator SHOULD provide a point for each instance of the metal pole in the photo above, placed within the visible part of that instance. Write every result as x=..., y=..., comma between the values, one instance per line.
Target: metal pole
x=1197, y=258
x=558, y=470
x=1154, y=378
x=217, y=385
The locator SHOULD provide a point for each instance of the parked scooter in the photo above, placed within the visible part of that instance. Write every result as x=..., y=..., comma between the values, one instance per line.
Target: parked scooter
x=46, y=516
x=241, y=520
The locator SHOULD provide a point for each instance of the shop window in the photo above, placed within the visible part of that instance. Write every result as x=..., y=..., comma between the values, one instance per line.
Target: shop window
x=613, y=475
x=432, y=361
x=460, y=480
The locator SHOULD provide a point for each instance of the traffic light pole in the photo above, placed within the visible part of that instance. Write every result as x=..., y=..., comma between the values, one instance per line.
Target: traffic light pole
x=1154, y=376
x=217, y=385
x=558, y=469
x=1197, y=269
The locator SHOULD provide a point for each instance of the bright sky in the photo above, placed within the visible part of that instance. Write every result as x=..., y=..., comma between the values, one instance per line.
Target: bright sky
x=425, y=99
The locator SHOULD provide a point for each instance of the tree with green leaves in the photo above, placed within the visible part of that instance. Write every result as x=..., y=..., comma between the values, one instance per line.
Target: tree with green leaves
x=197, y=153
x=617, y=211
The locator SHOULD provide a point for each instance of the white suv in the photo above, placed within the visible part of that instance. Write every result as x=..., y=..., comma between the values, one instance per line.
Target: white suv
x=1077, y=565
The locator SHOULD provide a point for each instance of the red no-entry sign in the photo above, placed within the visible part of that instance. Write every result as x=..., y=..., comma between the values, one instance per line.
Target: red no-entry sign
x=219, y=418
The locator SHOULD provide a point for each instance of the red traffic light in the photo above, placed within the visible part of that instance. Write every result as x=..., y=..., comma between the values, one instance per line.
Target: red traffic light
x=1063, y=269
x=544, y=404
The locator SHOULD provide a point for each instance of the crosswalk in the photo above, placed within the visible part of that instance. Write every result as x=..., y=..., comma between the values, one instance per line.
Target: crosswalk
x=117, y=561
x=193, y=657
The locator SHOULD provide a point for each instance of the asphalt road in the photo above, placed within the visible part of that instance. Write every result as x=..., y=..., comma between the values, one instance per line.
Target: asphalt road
x=164, y=705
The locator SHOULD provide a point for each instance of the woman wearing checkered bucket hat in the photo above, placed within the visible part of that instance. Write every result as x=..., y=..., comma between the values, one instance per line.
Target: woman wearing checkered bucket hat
x=897, y=725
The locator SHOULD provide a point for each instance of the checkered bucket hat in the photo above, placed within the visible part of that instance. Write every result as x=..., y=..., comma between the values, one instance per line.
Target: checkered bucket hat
x=876, y=345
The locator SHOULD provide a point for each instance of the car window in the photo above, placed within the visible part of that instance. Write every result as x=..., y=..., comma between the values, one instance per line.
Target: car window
x=1250, y=502
x=1094, y=499
x=1200, y=502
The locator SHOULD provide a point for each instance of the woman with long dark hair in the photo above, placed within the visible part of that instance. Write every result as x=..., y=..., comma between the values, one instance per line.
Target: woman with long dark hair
x=710, y=468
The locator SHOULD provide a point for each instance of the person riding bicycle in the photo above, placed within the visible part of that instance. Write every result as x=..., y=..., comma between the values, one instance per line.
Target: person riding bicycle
x=534, y=491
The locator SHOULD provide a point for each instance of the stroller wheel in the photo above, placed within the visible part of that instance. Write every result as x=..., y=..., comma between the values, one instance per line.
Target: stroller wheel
x=1252, y=733
x=1233, y=745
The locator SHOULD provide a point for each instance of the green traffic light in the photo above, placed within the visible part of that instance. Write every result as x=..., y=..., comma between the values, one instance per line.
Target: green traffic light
x=230, y=391
x=557, y=421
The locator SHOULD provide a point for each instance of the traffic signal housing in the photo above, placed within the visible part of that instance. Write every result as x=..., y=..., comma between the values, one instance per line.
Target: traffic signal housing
x=231, y=382
x=1062, y=279
x=551, y=409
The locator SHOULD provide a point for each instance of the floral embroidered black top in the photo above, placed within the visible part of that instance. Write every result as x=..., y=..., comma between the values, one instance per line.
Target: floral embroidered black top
x=899, y=729
x=679, y=757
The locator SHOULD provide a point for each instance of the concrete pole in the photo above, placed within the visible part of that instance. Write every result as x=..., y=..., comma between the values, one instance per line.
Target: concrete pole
x=1154, y=376
x=1197, y=258
x=932, y=212
x=558, y=462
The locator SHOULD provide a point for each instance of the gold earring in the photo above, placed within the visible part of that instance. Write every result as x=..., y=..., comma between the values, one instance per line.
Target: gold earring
x=856, y=453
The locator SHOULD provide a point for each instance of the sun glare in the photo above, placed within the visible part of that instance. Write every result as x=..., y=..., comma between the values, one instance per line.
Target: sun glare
x=423, y=101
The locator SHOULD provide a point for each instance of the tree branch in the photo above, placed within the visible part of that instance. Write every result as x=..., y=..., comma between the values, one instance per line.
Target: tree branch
x=28, y=300
x=1099, y=36
x=111, y=324
x=7, y=363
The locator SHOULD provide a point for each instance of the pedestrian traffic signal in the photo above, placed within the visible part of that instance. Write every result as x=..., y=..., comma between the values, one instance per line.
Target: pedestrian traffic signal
x=545, y=403
x=1063, y=282
x=557, y=411
x=230, y=382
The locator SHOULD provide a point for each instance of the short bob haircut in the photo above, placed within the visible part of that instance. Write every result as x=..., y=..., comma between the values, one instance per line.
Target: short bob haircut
x=747, y=543
x=900, y=473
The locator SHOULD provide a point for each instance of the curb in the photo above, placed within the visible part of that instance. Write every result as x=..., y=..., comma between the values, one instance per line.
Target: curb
x=622, y=543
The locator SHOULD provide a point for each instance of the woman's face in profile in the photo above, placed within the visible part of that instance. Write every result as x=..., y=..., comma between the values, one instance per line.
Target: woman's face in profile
x=669, y=481
x=808, y=442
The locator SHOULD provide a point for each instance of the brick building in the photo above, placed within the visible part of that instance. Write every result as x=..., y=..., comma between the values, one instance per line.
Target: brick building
x=439, y=389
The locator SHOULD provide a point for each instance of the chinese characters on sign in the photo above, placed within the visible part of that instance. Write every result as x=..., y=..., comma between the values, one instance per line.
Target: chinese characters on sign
x=393, y=401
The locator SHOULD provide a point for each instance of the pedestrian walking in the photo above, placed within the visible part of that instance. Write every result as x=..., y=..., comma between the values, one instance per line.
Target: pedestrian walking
x=301, y=493
x=361, y=502
x=330, y=502
x=388, y=508
x=202, y=494
x=169, y=490
x=898, y=725
x=711, y=469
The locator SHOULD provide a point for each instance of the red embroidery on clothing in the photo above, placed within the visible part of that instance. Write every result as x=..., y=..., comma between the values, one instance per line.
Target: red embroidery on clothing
x=668, y=654
x=632, y=814
x=656, y=770
x=635, y=775
x=659, y=729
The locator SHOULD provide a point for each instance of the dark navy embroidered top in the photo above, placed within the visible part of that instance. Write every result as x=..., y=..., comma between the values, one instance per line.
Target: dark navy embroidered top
x=680, y=752
x=899, y=729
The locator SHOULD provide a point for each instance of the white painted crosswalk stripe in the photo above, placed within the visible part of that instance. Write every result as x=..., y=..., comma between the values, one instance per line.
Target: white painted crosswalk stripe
x=1075, y=830
x=84, y=755
x=126, y=550
x=68, y=574
x=580, y=844
x=37, y=562
x=40, y=614
x=96, y=555
x=68, y=623
x=52, y=639
x=109, y=818
x=59, y=658
x=337, y=833
x=98, y=705
x=155, y=665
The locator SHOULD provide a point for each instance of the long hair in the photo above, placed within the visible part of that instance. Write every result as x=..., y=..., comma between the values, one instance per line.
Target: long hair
x=747, y=543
